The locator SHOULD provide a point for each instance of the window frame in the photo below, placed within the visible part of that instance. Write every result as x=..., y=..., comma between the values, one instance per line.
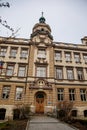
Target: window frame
x=58, y=56
x=41, y=55
x=12, y=53
x=21, y=92
x=24, y=71
x=24, y=55
x=8, y=65
x=83, y=95
x=6, y=92
x=41, y=66
x=69, y=74
x=79, y=76
x=77, y=58
x=1, y=52
x=57, y=75
x=60, y=94
x=72, y=95
x=68, y=58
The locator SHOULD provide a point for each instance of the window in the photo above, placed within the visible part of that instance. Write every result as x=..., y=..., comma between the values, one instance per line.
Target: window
x=41, y=71
x=21, y=71
x=68, y=57
x=13, y=52
x=41, y=53
x=70, y=74
x=10, y=69
x=71, y=94
x=80, y=74
x=85, y=58
x=59, y=73
x=3, y=51
x=60, y=92
x=24, y=53
x=74, y=113
x=83, y=94
x=6, y=92
x=19, y=93
x=58, y=56
x=77, y=58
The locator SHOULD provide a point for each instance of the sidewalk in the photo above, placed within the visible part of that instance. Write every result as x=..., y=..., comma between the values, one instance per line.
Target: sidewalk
x=47, y=123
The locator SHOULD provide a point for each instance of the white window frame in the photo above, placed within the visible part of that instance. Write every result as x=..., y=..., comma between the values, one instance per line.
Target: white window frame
x=80, y=74
x=19, y=93
x=24, y=53
x=41, y=53
x=6, y=92
x=70, y=74
x=58, y=56
x=21, y=71
x=77, y=58
x=72, y=94
x=68, y=57
x=13, y=52
x=83, y=94
x=3, y=51
x=59, y=73
x=10, y=70
x=60, y=94
x=41, y=71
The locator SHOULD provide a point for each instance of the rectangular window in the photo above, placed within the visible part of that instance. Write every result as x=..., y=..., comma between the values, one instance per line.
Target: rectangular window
x=10, y=70
x=21, y=71
x=70, y=74
x=5, y=92
x=13, y=52
x=80, y=74
x=85, y=58
x=58, y=56
x=24, y=53
x=83, y=94
x=77, y=58
x=68, y=57
x=19, y=93
x=59, y=73
x=41, y=53
x=71, y=94
x=60, y=92
x=41, y=71
x=3, y=51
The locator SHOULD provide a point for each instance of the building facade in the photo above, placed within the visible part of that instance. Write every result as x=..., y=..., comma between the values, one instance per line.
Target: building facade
x=41, y=73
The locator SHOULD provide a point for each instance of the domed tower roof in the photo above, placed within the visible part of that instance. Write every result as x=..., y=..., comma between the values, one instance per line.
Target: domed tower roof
x=42, y=19
x=41, y=28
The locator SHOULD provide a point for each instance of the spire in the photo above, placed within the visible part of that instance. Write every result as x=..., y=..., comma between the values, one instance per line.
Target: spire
x=42, y=19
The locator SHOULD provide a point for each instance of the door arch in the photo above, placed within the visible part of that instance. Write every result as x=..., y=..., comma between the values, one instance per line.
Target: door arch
x=40, y=97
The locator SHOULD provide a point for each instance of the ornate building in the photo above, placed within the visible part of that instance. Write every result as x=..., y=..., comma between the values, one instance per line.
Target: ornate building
x=41, y=73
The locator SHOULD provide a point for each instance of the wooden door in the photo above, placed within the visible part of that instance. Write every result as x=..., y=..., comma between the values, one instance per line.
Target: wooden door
x=39, y=103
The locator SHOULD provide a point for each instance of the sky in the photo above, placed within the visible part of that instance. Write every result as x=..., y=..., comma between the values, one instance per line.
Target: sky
x=67, y=18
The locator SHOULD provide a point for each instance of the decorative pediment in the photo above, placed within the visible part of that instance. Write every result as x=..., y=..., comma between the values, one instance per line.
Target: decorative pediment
x=40, y=84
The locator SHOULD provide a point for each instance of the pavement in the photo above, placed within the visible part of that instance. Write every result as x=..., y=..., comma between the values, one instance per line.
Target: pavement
x=47, y=123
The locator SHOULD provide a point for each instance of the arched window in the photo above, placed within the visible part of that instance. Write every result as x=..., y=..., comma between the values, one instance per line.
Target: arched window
x=74, y=113
x=2, y=113
x=85, y=113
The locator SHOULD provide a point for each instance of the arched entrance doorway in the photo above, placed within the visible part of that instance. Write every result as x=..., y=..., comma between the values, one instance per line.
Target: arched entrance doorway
x=40, y=97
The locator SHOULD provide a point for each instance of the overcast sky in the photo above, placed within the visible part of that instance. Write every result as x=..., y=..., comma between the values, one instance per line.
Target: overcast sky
x=67, y=18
